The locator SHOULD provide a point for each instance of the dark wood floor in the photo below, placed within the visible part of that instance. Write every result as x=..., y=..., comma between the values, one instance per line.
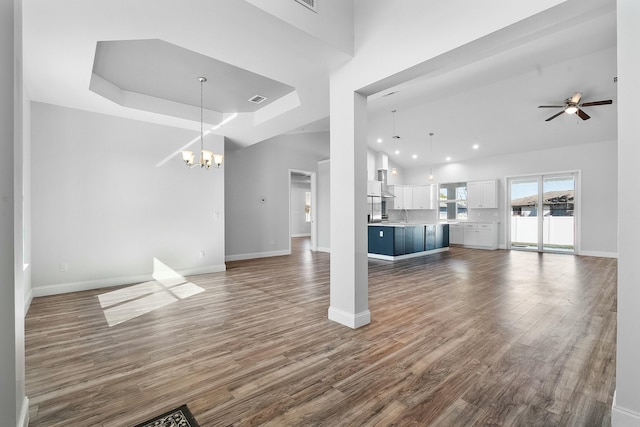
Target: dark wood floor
x=467, y=337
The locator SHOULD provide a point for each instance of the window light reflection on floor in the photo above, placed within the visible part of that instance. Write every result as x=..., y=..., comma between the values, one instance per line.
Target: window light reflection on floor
x=133, y=301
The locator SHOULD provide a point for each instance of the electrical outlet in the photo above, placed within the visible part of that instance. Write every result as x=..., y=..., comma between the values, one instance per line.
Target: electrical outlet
x=64, y=266
x=202, y=253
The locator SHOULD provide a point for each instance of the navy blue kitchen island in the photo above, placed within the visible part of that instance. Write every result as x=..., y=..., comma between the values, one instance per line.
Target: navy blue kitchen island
x=395, y=241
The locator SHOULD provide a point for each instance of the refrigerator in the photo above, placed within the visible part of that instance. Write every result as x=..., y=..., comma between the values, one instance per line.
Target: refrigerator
x=375, y=208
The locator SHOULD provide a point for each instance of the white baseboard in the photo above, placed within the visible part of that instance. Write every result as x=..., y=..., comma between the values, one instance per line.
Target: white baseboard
x=241, y=257
x=351, y=320
x=301, y=235
x=599, y=254
x=323, y=249
x=23, y=421
x=407, y=256
x=85, y=285
x=622, y=417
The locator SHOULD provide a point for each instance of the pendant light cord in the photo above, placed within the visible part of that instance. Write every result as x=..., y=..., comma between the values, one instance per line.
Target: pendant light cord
x=202, y=80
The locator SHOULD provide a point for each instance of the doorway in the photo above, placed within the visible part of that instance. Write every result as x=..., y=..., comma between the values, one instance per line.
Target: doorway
x=302, y=205
x=544, y=212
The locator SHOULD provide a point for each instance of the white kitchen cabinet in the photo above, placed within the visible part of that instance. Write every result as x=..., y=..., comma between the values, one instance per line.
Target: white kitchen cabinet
x=413, y=196
x=482, y=194
x=456, y=234
x=480, y=235
x=407, y=197
x=487, y=236
x=423, y=197
x=374, y=188
x=404, y=196
x=398, y=200
x=471, y=234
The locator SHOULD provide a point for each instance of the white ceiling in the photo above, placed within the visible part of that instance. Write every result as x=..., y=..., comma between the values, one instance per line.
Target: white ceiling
x=162, y=70
x=60, y=39
x=491, y=102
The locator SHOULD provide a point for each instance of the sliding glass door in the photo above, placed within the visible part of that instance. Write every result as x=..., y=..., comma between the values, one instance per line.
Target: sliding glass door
x=524, y=212
x=543, y=214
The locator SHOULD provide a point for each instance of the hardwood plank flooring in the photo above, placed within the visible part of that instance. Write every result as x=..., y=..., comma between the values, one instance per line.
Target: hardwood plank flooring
x=465, y=337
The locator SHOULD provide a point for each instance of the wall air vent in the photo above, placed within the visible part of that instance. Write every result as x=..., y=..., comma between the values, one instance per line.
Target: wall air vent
x=311, y=4
x=257, y=99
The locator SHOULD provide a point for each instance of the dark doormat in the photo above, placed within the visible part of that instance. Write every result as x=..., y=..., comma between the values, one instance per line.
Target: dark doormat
x=179, y=417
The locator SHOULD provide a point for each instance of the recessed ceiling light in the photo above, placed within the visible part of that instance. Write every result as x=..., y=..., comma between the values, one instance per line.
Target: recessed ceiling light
x=415, y=156
x=448, y=159
x=379, y=140
x=397, y=151
x=476, y=146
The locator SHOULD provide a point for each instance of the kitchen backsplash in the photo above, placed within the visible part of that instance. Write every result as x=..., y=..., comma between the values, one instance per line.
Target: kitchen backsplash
x=430, y=216
x=483, y=215
x=411, y=215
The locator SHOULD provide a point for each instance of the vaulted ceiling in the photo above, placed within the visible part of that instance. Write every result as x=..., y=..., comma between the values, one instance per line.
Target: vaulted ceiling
x=141, y=60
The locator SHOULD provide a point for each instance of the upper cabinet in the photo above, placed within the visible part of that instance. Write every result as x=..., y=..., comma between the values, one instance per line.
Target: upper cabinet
x=423, y=197
x=413, y=196
x=482, y=194
x=374, y=188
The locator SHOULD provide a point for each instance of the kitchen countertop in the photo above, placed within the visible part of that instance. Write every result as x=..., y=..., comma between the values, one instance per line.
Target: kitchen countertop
x=400, y=224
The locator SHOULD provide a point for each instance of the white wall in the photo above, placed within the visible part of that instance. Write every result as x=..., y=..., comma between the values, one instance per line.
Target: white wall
x=13, y=402
x=598, y=165
x=299, y=225
x=104, y=205
x=626, y=404
x=332, y=24
x=257, y=192
x=425, y=31
x=323, y=210
x=26, y=194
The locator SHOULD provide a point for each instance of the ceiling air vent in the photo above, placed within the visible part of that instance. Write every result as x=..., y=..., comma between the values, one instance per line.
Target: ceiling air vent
x=311, y=4
x=257, y=99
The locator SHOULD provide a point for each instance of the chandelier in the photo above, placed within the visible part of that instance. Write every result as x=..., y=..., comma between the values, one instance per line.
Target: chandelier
x=207, y=158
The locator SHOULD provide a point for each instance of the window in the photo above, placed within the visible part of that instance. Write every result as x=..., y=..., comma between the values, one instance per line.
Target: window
x=307, y=206
x=453, y=201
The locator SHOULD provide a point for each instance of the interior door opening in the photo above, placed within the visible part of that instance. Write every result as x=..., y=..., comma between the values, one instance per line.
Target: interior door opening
x=302, y=205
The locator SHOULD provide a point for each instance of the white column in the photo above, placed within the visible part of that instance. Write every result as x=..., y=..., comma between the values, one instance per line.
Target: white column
x=9, y=388
x=348, y=177
x=626, y=404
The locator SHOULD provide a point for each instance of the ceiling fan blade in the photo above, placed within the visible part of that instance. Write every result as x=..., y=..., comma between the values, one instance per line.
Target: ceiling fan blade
x=576, y=97
x=550, y=106
x=591, y=104
x=583, y=115
x=554, y=116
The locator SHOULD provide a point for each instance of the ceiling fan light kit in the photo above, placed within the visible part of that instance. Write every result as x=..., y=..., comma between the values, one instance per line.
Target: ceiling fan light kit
x=572, y=105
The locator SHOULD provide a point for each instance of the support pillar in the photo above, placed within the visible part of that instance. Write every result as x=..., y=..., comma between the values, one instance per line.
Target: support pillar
x=626, y=403
x=348, y=178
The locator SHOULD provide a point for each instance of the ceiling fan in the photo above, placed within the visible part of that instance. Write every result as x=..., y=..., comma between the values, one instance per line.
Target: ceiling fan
x=572, y=105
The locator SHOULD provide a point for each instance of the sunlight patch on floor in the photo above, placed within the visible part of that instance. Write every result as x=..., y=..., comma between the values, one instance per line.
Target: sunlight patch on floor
x=135, y=300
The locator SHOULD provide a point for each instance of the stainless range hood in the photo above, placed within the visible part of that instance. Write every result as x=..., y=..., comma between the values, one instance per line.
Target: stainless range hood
x=382, y=177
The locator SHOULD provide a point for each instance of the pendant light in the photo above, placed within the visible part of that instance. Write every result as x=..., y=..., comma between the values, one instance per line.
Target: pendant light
x=431, y=154
x=207, y=158
x=394, y=136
